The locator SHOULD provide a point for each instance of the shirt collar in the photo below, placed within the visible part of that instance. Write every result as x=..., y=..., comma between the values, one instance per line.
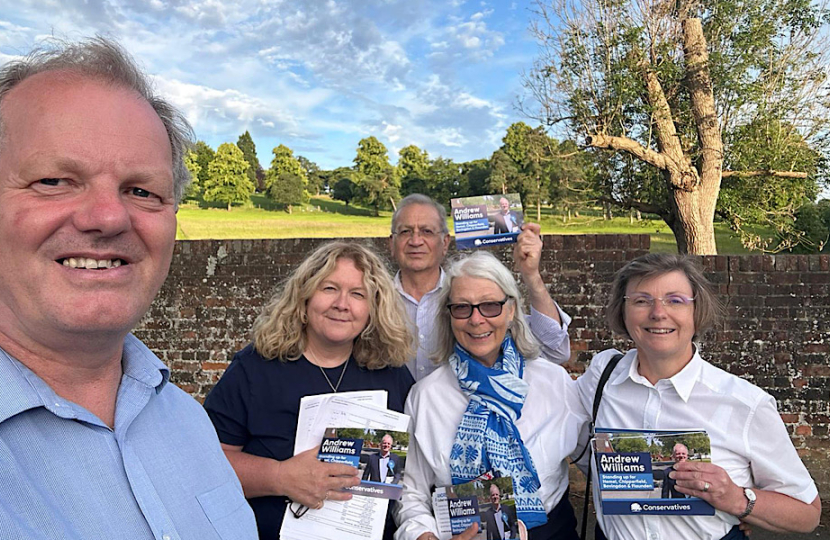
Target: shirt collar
x=141, y=364
x=24, y=390
x=399, y=285
x=683, y=381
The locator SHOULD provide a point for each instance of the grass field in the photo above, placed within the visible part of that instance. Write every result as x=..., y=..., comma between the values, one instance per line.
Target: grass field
x=326, y=218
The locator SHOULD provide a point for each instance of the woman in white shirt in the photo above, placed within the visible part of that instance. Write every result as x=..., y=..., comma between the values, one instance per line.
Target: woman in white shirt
x=662, y=302
x=492, y=406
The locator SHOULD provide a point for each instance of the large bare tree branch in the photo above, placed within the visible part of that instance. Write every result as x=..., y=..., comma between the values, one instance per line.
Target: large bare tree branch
x=608, y=142
x=702, y=98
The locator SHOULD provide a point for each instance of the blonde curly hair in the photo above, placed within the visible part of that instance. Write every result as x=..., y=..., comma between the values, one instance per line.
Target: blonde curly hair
x=280, y=330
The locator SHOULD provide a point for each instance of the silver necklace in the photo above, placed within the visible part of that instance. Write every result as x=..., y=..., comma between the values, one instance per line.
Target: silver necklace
x=333, y=387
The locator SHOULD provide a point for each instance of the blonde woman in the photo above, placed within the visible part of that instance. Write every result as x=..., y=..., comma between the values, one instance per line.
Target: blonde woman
x=337, y=325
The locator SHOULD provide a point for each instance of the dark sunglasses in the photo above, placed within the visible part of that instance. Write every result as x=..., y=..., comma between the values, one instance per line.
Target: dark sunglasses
x=487, y=309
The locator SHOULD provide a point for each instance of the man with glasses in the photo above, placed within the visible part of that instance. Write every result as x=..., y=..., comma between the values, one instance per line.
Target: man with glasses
x=419, y=242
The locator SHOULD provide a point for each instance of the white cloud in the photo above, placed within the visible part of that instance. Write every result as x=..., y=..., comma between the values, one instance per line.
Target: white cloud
x=206, y=106
x=315, y=74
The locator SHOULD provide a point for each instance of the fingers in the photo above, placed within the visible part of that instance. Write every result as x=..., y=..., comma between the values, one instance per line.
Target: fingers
x=337, y=495
x=310, y=482
x=535, y=228
x=469, y=534
x=338, y=469
x=708, y=482
x=528, y=250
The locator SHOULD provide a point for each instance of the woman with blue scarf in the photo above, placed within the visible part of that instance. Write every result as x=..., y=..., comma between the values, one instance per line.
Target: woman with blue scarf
x=493, y=406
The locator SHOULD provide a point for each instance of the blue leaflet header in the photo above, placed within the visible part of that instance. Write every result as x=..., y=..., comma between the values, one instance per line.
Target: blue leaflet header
x=463, y=513
x=341, y=450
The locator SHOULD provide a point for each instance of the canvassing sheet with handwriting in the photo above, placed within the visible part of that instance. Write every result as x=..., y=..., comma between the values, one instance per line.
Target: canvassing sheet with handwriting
x=361, y=518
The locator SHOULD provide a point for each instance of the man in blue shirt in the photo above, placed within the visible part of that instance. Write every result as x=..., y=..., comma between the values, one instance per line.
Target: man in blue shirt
x=94, y=440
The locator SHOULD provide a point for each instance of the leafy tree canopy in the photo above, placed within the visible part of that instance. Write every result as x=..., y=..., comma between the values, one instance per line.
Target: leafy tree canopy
x=672, y=84
x=228, y=180
x=246, y=144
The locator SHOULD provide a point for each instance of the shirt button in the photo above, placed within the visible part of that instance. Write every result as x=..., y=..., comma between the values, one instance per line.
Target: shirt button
x=421, y=368
x=166, y=537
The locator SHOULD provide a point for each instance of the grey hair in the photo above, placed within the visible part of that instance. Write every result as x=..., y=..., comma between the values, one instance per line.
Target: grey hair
x=482, y=265
x=419, y=198
x=103, y=59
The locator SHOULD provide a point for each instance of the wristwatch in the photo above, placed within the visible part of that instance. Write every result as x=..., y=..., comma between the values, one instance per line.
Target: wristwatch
x=750, y=502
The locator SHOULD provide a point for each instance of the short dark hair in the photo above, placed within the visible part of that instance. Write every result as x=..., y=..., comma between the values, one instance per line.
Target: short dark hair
x=103, y=59
x=708, y=309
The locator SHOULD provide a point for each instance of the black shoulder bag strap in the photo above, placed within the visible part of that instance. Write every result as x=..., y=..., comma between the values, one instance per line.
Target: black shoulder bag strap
x=603, y=379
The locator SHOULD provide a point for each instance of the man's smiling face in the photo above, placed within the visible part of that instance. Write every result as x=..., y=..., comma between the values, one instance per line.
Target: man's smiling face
x=87, y=211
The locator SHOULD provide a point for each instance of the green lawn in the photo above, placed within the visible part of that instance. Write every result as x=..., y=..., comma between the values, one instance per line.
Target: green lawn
x=326, y=218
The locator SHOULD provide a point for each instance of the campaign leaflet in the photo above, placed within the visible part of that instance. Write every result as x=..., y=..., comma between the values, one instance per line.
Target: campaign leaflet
x=463, y=513
x=379, y=455
x=633, y=469
x=486, y=220
x=486, y=501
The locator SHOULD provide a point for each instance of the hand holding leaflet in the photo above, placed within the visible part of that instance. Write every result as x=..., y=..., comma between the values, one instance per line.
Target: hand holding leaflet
x=360, y=518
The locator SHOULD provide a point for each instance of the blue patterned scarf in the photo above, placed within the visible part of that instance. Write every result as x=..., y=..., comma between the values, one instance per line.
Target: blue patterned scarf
x=487, y=438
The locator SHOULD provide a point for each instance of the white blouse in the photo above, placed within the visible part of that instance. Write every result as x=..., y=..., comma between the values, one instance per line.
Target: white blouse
x=748, y=437
x=549, y=428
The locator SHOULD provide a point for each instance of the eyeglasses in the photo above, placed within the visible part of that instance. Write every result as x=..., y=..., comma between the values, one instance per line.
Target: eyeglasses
x=487, y=309
x=300, y=510
x=672, y=301
x=425, y=233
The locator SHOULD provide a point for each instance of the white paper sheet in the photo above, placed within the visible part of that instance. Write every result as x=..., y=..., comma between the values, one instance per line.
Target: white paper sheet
x=311, y=407
x=361, y=518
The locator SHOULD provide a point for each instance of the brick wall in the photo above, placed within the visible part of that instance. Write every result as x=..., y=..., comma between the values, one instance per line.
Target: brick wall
x=776, y=334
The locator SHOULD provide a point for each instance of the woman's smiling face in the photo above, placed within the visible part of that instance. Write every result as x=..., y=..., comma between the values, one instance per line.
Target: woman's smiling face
x=661, y=333
x=480, y=336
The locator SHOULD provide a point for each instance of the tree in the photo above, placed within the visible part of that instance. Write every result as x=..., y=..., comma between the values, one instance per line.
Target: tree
x=412, y=168
x=227, y=180
x=477, y=173
x=255, y=173
x=204, y=155
x=531, y=152
x=316, y=178
x=572, y=178
x=812, y=225
x=344, y=190
x=288, y=190
x=765, y=199
x=637, y=78
x=192, y=164
x=342, y=185
x=445, y=181
x=630, y=444
x=504, y=174
x=285, y=167
x=376, y=181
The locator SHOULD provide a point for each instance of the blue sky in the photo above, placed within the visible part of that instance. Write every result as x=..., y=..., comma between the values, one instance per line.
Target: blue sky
x=315, y=75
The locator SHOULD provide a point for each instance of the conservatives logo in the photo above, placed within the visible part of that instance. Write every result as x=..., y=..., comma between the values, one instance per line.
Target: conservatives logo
x=635, y=507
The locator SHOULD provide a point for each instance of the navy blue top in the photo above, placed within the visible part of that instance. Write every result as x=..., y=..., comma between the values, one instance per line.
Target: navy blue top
x=256, y=403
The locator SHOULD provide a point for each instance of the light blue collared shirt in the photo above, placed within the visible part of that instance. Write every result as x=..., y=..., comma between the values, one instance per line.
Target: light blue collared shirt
x=159, y=474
